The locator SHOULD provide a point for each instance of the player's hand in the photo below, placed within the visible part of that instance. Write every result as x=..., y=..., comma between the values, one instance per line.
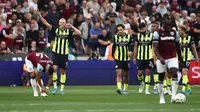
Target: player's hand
x=130, y=53
x=38, y=13
x=134, y=61
x=68, y=25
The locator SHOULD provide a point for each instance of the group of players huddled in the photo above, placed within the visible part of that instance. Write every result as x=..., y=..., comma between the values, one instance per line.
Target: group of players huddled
x=164, y=51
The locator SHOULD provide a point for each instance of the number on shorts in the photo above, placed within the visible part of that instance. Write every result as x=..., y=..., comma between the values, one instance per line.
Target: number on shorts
x=39, y=55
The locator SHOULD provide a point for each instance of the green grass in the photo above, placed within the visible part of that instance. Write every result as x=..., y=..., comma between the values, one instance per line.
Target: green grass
x=92, y=99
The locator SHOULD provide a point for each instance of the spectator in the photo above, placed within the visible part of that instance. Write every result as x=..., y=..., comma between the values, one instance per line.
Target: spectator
x=68, y=11
x=17, y=26
x=196, y=29
x=120, y=18
x=111, y=12
x=42, y=44
x=175, y=6
x=1, y=24
x=161, y=8
x=7, y=34
x=148, y=7
x=32, y=34
x=25, y=7
x=4, y=50
x=94, y=33
x=8, y=10
x=33, y=47
x=93, y=4
x=110, y=27
x=84, y=9
x=3, y=16
x=53, y=16
x=104, y=41
x=184, y=17
x=33, y=3
x=19, y=42
x=85, y=33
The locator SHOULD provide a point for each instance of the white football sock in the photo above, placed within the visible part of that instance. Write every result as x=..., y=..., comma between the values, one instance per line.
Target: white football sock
x=174, y=87
x=160, y=89
x=33, y=84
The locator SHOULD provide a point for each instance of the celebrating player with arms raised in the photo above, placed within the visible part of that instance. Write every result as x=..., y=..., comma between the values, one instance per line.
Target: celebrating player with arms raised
x=166, y=45
x=36, y=64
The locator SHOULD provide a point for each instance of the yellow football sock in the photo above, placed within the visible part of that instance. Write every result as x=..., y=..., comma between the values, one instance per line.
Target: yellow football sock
x=155, y=76
x=62, y=81
x=147, y=81
x=119, y=85
x=169, y=83
x=55, y=78
x=184, y=82
x=164, y=85
x=125, y=86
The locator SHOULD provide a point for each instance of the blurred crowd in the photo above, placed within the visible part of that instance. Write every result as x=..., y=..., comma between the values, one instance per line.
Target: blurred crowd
x=22, y=32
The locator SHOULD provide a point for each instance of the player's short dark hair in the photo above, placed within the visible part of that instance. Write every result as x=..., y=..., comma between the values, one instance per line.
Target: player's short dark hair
x=51, y=70
x=121, y=25
x=142, y=25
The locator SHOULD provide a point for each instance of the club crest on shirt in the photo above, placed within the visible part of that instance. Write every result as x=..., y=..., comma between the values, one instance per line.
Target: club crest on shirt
x=172, y=33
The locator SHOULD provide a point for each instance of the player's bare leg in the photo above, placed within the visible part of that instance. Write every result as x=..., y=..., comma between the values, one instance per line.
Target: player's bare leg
x=174, y=83
x=126, y=78
x=141, y=80
x=55, y=78
x=62, y=80
x=33, y=83
x=119, y=80
x=160, y=87
x=147, y=81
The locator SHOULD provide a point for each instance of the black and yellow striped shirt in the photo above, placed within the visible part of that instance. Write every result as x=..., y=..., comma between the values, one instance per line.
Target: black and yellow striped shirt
x=61, y=41
x=186, y=42
x=121, y=46
x=145, y=42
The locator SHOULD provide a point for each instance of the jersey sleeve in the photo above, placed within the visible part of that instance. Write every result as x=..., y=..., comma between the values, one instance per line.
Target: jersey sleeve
x=40, y=68
x=155, y=37
x=71, y=31
x=177, y=38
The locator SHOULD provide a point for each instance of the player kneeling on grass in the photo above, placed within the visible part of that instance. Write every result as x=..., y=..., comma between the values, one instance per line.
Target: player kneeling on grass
x=36, y=64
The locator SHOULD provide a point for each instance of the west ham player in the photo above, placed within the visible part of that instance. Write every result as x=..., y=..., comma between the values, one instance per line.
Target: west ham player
x=166, y=44
x=36, y=64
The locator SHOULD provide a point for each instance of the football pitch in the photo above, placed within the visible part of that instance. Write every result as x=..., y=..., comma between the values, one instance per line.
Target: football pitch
x=92, y=99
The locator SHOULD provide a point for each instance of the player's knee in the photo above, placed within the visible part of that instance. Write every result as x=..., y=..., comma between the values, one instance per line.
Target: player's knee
x=140, y=72
x=161, y=76
x=32, y=77
x=174, y=72
x=148, y=72
x=184, y=72
x=62, y=71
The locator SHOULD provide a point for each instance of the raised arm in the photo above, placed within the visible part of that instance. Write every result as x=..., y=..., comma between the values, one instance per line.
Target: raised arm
x=44, y=21
x=76, y=31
